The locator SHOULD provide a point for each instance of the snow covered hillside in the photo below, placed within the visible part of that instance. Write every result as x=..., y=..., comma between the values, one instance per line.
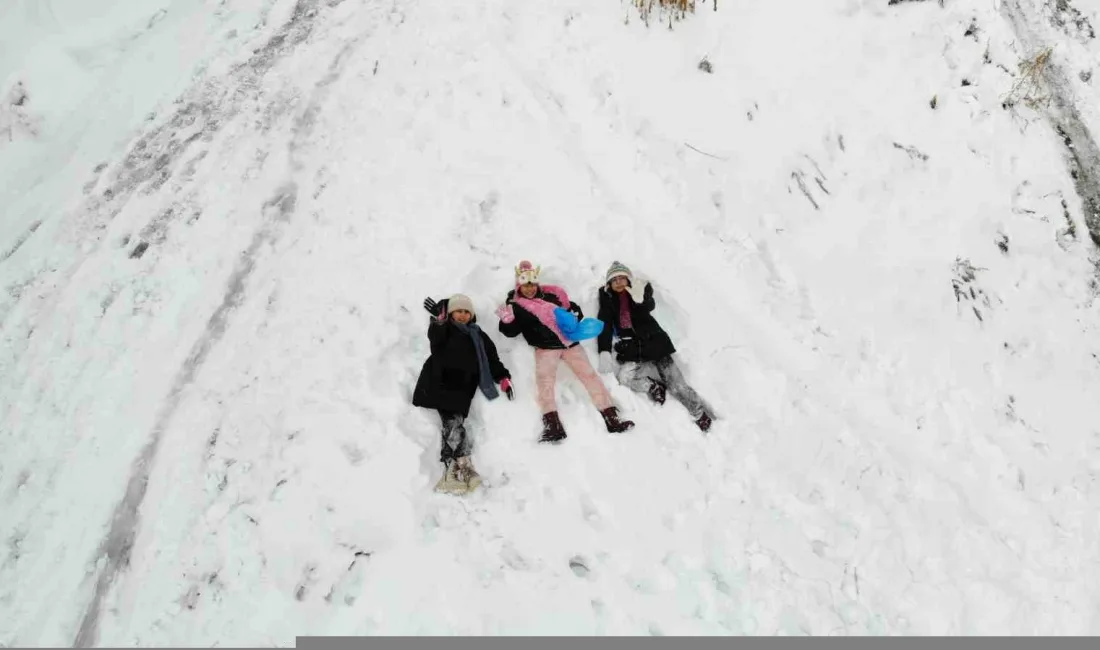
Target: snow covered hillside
x=867, y=224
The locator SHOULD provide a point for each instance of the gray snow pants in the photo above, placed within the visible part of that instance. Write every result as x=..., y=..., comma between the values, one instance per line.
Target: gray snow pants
x=455, y=443
x=637, y=377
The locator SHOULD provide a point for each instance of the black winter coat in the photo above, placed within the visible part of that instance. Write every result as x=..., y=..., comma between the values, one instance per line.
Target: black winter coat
x=448, y=379
x=646, y=341
x=534, y=331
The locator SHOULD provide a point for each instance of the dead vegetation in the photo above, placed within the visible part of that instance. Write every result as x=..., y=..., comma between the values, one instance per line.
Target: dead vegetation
x=672, y=10
x=965, y=287
x=1030, y=88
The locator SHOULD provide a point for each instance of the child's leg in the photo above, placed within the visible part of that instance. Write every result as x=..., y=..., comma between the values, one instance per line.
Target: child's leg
x=546, y=375
x=679, y=388
x=454, y=443
x=578, y=362
x=637, y=376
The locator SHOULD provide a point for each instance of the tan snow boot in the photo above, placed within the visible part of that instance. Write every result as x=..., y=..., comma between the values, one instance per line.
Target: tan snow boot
x=450, y=482
x=467, y=474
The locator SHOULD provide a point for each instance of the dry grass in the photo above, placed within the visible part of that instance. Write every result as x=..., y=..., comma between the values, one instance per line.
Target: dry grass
x=673, y=9
x=1029, y=87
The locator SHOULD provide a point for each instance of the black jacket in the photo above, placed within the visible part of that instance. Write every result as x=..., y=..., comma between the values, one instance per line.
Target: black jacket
x=646, y=341
x=534, y=331
x=448, y=379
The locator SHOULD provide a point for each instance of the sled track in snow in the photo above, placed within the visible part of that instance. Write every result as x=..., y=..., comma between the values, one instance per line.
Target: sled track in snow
x=1082, y=153
x=148, y=164
x=120, y=538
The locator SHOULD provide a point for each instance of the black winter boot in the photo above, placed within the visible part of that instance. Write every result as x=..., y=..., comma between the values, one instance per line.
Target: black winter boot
x=704, y=422
x=552, y=429
x=656, y=391
x=614, y=424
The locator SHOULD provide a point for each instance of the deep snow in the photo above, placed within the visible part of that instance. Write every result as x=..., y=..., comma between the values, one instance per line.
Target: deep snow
x=208, y=346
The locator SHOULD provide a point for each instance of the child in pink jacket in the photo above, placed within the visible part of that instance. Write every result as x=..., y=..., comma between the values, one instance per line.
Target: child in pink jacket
x=529, y=310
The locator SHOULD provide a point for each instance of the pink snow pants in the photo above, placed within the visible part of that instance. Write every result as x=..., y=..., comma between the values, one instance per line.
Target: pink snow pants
x=546, y=370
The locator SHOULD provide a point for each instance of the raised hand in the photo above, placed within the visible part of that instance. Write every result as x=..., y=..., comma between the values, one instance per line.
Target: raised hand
x=433, y=308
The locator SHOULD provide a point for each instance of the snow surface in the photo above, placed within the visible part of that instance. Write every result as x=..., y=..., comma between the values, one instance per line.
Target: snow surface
x=220, y=218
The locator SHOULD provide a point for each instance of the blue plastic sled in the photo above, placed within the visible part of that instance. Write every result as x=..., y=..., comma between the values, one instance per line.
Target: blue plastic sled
x=588, y=328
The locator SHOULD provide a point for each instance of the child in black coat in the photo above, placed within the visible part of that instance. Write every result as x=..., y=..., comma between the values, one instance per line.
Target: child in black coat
x=463, y=359
x=643, y=348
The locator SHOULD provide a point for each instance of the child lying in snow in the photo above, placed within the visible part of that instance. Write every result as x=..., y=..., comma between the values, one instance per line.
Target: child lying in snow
x=462, y=359
x=529, y=310
x=644, y=350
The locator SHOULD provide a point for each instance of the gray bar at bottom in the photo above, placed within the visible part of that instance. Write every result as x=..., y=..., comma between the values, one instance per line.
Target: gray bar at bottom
x=696, y=643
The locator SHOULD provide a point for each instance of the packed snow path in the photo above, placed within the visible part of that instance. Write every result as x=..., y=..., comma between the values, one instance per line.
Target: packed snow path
x=209, y=342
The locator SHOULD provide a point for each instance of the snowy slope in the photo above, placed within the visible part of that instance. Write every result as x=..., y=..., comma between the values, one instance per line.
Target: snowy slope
x=208, y=346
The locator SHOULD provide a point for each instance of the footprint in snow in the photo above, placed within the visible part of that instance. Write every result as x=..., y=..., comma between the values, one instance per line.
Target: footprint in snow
x=591, y=512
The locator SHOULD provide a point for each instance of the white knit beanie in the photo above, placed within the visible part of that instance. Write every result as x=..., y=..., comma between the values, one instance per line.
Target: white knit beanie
x=460, y=301
x=618, y=269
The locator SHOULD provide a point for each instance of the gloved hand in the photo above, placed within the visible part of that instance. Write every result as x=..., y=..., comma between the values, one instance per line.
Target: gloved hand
x=607, y=365
x=505, y=313
x=506, y=386
x=433, y=308
x=637, y=291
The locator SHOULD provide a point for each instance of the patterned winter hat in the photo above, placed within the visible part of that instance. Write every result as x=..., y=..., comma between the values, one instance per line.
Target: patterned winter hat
x=618, y=269
x=459, y=301
x=527, y=272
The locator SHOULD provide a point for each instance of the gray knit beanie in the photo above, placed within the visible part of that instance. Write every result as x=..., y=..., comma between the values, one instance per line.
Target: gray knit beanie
x=618, y=269
x=459, y=301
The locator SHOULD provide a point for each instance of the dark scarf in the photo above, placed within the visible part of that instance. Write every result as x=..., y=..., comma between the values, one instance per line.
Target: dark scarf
x=625, y=321
x=484, y=377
